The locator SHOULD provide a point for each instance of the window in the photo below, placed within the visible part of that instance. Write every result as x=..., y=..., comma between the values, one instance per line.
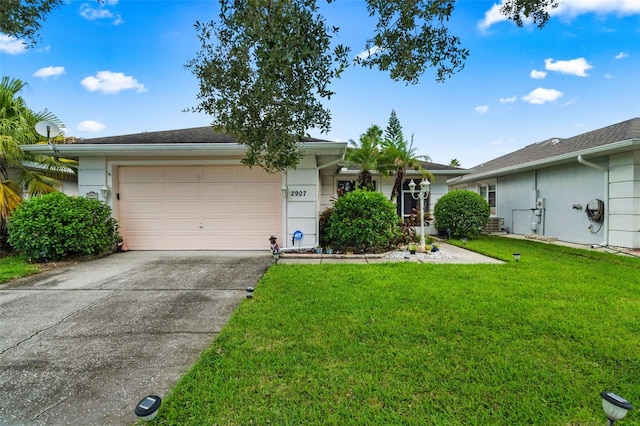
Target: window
x=345, y=186
x=488, y=192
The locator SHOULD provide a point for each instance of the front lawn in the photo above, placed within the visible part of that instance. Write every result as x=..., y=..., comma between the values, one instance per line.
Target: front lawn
x=12, y=267
x=532, y=342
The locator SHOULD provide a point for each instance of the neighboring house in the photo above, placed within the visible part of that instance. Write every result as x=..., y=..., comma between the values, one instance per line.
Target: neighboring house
x=187, y=189
x=583, y=189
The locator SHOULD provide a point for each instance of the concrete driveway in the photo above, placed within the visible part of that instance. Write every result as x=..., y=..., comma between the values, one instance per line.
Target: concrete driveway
x=83, y=344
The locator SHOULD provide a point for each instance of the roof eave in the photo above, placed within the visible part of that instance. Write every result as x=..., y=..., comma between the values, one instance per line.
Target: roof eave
x=612, y=148
x=222, y=149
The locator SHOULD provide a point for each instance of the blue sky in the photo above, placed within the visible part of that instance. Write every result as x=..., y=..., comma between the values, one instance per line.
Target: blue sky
x=118, y=68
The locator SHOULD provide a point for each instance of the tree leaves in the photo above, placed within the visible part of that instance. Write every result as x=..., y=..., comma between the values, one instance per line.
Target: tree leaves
x=264, y=70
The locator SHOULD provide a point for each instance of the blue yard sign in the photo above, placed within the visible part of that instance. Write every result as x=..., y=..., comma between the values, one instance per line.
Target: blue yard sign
x=297, y=235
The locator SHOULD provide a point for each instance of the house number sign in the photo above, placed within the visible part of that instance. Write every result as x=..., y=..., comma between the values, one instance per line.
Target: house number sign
x=301, y=193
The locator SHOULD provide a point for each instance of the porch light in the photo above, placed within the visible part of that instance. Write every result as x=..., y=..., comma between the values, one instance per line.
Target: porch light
x=614, y=406
x=147, y=408
x=422, y=195
x=284, y=191
x=516, y=256
x=105, y=191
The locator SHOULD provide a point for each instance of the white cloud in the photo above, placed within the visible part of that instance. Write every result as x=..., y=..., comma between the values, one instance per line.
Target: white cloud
x=540, y=96
x=11, y=45
x=578, y=66
x=537, y=74
x=482, y=109
x=492, y=16
x=508, y=100
x=608, y=76
x=111, y=82
x=49, y=72
x=368, y=53
x=91, y=126
x=91, y=14
x=569, y=9
x=622, y=55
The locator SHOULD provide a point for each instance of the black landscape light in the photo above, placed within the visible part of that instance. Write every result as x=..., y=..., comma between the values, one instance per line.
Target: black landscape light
x=516, y=256
x=614, y=406
x=147, y=408
x=249, y=292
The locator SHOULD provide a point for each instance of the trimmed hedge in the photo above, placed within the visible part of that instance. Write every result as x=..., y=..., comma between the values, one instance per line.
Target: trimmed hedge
x=56, y=225
x=363, y=221
x=461, y=213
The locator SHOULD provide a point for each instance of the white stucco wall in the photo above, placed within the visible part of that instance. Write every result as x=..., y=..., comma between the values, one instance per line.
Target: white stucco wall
x=92, y=176
x=624, y=200
x=302, y=203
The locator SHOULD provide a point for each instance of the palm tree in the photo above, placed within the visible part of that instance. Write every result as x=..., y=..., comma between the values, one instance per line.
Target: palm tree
x=398, y=155
x=366, y=155
x=17, y=127
x=454, y=162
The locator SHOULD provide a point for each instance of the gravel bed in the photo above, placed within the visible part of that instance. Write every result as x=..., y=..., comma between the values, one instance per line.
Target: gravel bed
x=419, y=256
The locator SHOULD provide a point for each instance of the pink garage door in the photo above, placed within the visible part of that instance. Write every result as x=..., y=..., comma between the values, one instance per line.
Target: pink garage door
x=198, y=207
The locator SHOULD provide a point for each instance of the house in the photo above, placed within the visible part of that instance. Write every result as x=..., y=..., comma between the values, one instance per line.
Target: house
x=187, y=189
x=584, y=189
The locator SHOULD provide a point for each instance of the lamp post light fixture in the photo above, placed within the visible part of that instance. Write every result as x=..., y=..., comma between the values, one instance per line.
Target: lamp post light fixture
x=516, y=256
x=421, y=195
x=614, y=406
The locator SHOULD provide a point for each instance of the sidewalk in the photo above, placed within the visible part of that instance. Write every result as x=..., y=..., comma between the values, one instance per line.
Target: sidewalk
x=447, y=254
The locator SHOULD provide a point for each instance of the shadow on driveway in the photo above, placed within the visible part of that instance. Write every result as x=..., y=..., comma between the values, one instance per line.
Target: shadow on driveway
x=83, y=344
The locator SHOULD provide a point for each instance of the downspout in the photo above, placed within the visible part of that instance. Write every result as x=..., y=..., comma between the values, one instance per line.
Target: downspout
x=285, y=210
x=584, y=162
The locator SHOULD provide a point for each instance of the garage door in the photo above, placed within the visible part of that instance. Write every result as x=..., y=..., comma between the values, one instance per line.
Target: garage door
x=198, y=207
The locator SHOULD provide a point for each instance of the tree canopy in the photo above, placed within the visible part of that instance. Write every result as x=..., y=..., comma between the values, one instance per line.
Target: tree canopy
x=265, y=66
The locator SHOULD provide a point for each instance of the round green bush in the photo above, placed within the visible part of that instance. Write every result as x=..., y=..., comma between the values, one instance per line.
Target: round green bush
x=56, y=225
x=363, y=221
x=461, y=213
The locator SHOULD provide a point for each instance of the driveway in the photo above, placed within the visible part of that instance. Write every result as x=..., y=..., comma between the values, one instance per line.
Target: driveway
x=83, y=344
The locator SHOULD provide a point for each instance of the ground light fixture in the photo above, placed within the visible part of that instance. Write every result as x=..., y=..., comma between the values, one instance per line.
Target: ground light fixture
x=614, y=406
x=147, y=408
x=464, y=242
x=249, y=292
x=516, y=256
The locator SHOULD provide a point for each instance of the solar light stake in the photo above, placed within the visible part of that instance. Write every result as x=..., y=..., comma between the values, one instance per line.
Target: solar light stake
x=147, y=408
x=516, y=256
x=614, y=406
x=249, y=292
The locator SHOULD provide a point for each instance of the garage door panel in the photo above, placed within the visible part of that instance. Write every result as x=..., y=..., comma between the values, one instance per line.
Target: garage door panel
x=180, y=191
x=261, y=208
x=198, y=207
x=181, y=174
x=261, y=191
x=228, y=174
x=140, y=174
x=223, y=207
x=141, y=191
x=181, y=208
x=138, y=207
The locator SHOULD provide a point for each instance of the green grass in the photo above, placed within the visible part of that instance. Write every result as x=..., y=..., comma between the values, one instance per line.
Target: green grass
x=414, y=344
x=13, y=267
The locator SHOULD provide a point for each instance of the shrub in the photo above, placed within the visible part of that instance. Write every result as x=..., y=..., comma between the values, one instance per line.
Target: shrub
x=57, y=225
x=463, y=213
x=363, y=221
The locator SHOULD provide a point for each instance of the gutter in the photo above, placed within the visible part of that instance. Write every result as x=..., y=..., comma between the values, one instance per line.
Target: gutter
x=621, y=146
x=584, y=162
